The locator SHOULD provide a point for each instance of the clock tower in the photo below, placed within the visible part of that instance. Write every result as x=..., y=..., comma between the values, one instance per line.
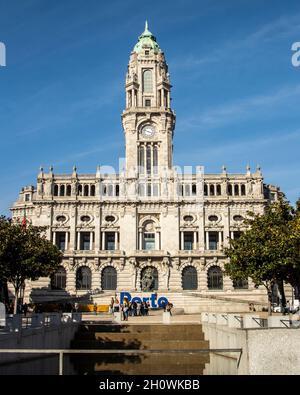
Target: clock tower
x=148, y=120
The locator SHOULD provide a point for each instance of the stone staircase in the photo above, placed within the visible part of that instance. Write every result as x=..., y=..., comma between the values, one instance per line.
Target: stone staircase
x=140, y=337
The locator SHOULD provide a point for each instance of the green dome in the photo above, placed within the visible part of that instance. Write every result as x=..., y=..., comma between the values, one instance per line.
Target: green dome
x=146, y=39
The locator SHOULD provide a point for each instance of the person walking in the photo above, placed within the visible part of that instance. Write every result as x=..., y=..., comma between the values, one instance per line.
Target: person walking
x=95, y=308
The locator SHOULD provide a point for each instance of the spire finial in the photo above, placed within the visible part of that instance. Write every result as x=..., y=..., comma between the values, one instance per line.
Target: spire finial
x=146, y=25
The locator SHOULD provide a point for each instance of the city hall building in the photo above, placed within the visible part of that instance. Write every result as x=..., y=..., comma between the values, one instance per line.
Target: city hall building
x=150, y=227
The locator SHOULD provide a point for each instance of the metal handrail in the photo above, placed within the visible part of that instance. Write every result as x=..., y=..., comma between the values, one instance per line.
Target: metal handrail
x=61, y=352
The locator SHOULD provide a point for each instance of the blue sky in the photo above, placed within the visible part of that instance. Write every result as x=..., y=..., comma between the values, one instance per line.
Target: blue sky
x=235, y=92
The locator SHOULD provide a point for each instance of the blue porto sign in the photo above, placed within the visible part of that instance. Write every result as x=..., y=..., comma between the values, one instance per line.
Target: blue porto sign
x=152, y=299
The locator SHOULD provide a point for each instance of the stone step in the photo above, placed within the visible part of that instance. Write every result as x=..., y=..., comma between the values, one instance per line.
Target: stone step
x=152, y=364
x=172, y=330
x=140, y=345
x=115, y=336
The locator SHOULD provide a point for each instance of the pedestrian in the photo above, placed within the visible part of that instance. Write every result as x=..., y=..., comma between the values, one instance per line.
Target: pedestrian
x=111, y=306
x=95, y=308
x=169, y=307
x=25, y=309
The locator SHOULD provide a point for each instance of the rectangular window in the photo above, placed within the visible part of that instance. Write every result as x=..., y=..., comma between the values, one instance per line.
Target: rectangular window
x=147, y=103
x=236, y=235
x=149, y=241
x=27, y=197
x=187, y=190
x=85, y=241
x=61, y=240
x=110, y=241
x=155, y=189
x=188, y=240
x=213, y=239
x=141, y=189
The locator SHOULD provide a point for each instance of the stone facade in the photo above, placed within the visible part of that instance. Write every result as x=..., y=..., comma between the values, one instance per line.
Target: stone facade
x=149, y=213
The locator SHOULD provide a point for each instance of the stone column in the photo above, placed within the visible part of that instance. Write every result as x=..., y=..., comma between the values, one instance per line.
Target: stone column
x=140, y=246
x=54, y=238
x=96, y=279
x=207, y=240
x=71, y=281
x=103, y=241
x=91, y=241
x=195, y=241
x=66, y=241
x=227, y=283
x=226, y=228
x=97, y=229
x=181, y=240
x=156, y=240
x=116, y=241
x=73, y=228
x=201, y=231
x=78, y=241
x=138, y=279
x=202, y=280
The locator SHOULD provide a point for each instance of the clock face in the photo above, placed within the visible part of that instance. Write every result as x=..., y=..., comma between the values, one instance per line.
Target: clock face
x=148, y=131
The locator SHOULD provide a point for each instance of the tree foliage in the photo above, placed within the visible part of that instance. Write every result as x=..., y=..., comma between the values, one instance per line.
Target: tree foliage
x=25, y=253
x=269, y=250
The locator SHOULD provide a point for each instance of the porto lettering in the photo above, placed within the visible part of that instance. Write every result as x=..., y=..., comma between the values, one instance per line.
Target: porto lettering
x=152, y=299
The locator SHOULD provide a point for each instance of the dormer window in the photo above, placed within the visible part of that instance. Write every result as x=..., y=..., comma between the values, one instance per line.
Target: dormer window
x=27, y=197
x=147, y=103
x=147, y=52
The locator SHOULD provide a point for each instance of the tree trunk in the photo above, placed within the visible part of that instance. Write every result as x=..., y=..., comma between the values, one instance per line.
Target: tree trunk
x=269, y=290
x=281, y=290
x=16, y=299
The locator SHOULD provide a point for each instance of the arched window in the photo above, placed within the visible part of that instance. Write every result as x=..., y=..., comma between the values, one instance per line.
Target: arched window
x=205, y=189
x=55, y=190
x=147, y=81
x=62, y=190
x=86, y=190
x=189, y=278
x=229, y=189
x=236, y=190
x=149, y=236
x=109, y=278
x=218, y=190
x=117, y=190
x=79, y=190
x=215, y=278
x=69, y=190
x=243, y=190
x=240, y=283
x=211, y=190
x=83, y=278
x=149, y=279
x=58, y=279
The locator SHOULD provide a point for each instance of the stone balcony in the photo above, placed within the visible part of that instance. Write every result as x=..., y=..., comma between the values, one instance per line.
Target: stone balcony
x=150, y=253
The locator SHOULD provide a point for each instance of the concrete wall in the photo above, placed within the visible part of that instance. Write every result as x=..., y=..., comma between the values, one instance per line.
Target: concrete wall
x=273, y=351
x=37, y=338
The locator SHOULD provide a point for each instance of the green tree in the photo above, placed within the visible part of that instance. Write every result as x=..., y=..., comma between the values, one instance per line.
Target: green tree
x=25, y=254
x=267, y=251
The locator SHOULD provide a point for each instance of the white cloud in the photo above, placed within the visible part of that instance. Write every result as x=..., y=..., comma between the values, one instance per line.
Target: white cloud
x=241, y=109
